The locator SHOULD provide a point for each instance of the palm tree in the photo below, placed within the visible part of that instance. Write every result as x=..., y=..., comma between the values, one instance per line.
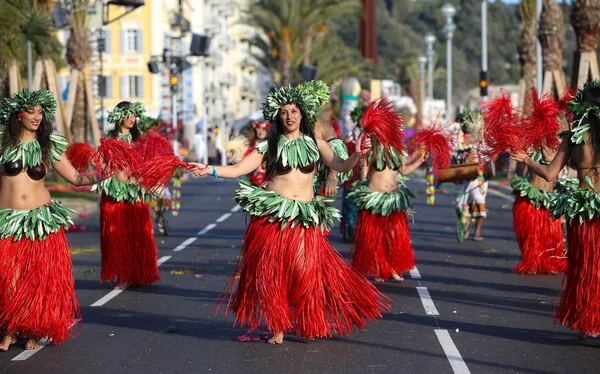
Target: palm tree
x=289, y=29
x=79, y=54
x=20, y=23
x=409, y=78
x=585, y=19
x=527, y=41
x=551, y=33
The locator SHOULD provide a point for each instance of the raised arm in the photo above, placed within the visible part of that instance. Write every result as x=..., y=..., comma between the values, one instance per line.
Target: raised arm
x=245, y=166
x=413, y=162
x=550, y=172
x=337, y=163
x=64, y=168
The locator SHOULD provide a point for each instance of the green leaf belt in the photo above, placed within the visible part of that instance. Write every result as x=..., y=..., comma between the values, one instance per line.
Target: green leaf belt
x=35, y=223
x=339, y=148
x=382, y=203
x=573, y=202
x=539, y=198
x=120, y=191
x=261, y=203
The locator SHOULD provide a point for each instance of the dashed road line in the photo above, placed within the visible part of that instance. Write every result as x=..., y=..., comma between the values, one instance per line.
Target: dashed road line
x=182, y=246
x=456, y=361
x=223, y=217
x=414, y=273
x=26, y=354
x=236, y=209
x=428, y=304
x=501, y=194
x=206, y=229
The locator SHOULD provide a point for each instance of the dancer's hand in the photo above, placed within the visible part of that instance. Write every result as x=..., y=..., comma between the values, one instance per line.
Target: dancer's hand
x=198, y=169
x=518, y=156
x=422, y=155
x=363, y=144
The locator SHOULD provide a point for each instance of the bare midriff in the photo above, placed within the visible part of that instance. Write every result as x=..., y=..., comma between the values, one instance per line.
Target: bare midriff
x=383, y=181
x=21, y=192
x=540, y=183
x=294, y=185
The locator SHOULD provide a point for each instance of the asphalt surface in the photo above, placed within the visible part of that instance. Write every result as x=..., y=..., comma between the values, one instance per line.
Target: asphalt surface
x=480, y=317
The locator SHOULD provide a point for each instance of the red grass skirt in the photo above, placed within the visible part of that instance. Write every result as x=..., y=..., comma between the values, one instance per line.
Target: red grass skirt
x=382, y=244
x=580, y=295
x=540, y=239
x=37, y=289
x=295, y=275
x=127, y=243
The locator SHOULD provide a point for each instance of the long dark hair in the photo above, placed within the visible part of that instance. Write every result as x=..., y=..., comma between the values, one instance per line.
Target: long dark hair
x=577, y=150
x=12, y=135
x=275, y=133
x=135, y=131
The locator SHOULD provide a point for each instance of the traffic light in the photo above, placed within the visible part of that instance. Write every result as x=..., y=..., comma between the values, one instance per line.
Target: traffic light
x=174, y=79
x=483, y=83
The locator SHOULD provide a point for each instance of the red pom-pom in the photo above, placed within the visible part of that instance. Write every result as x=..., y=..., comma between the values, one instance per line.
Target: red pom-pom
x=539, y=120
x=437, y=142
x=381, y=120
x=500, y=129
x=115, y=155
x=567, y=96
x=154, y=175
x=80, y=155
x=153, y=144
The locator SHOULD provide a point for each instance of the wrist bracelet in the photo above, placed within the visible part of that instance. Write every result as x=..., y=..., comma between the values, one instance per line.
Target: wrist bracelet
x=214, y=172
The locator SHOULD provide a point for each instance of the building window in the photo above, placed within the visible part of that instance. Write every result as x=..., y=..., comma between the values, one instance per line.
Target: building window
x=132, y=86
x=131, y=41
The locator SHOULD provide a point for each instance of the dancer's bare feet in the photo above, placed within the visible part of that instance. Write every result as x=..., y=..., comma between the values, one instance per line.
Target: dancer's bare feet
x=379, y=280
x=31, y=345
x=7, y=341
x=588, y=339
x=277, y=338
x=397, y=277
x=121, y=286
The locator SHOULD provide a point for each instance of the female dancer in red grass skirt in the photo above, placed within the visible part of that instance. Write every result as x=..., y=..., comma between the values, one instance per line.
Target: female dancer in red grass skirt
x=540, y=236
x=288, y=272
x=129, y=254
x=579, y=307
x=382, y=244
x=37, y=293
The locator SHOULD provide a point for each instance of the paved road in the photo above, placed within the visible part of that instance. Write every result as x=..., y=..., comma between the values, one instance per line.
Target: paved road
x=464, y=311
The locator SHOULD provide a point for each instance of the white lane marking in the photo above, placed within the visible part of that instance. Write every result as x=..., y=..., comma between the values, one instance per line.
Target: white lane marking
x=501, y=194
x=112, y=294
x=235, y=209
x=182, y=246
x=428, y=304
x=26, y=354
x=456, y=361
x=109, y=296
x=164, y=259
x=206, y=229
x=223, y=217
x=414, y=273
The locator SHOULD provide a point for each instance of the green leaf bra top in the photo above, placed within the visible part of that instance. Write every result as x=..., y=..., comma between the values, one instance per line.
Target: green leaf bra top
x=296, y=153
x=259, y=202
x=539, y=198
x=381, y=158
x=34, y=224
x=382, y=203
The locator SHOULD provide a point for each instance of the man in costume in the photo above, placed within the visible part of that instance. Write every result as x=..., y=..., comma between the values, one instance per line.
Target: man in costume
x=288, y=272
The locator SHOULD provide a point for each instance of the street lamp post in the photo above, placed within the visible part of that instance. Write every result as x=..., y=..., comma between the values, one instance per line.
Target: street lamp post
x=448, y=10
x=484, y=47
x=429, y=41
x=422, y=60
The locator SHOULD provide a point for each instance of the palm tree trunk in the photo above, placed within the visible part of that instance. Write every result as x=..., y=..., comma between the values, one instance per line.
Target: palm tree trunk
x=78, y=124
x=585, y=19
x=552, y=37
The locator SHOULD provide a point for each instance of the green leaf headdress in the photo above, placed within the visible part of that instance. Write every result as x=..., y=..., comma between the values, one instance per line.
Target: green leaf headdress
x=470, y=121
x=585, y=104
x=118, y=114
x=357, y=112
x=310, y=96
x=24, y=100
